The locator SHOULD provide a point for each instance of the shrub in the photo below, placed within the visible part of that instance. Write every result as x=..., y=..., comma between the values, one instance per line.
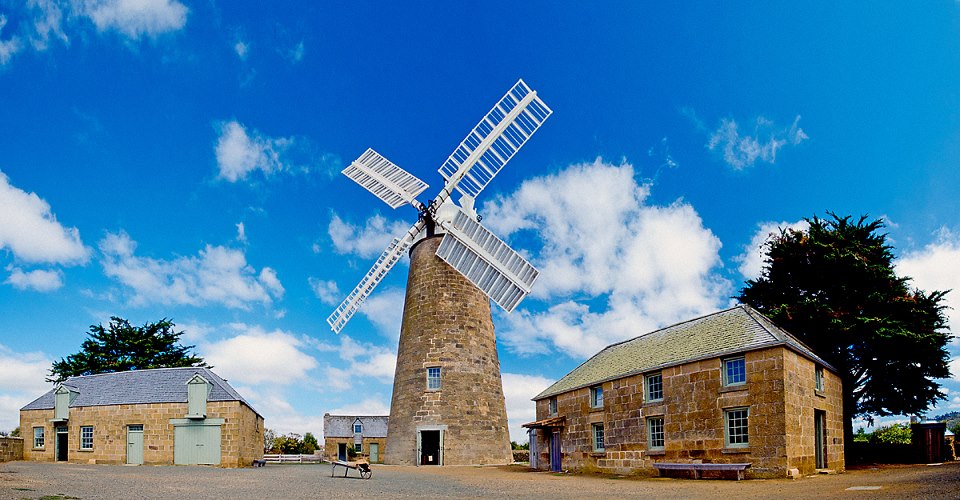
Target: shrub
x=892, y=434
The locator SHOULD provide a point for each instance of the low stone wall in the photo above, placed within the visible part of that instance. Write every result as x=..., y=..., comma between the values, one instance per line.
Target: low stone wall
x=521, y=455
x=11, y=448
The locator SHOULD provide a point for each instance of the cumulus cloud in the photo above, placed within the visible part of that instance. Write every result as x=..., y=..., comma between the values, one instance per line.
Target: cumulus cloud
x=239, y=153
x=40, y=280
x=217, y=275
x=31, y=231
x=937, y=267
x=241, y=233
x=741, y=150
x=613, y=266
x=22, y=379
x=135, y=18
x=751, y=260
x=368, y=240
x=518, y=389
x=8, y=47
x=384, y=308
x=369, y=406
x=325, y=290
x=242, y=49
x=254, y=356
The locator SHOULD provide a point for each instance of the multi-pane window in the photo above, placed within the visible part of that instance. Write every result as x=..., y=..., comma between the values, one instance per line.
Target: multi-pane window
x=86, y=437
x=433, y=378
x=357, y=428
x=819, y=375
x=737, y=424
x=655, y=433
x=38, y=437
x=553, y=406
x=596, y=397
x=358, y=447
x=654, y=387
x=598, y=437
x=734, y=371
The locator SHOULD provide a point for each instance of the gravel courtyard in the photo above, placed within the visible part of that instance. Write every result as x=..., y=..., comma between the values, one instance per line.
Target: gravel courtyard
x=46, y=480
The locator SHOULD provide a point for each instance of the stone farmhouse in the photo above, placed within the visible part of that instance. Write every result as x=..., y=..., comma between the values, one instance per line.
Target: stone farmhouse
x=367, y=435
x=726, y=388
x=160, y=416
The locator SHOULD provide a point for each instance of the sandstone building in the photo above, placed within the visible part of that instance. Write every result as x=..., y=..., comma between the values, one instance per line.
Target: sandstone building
x=161, y=416
x=367, y=435
x=729, y=387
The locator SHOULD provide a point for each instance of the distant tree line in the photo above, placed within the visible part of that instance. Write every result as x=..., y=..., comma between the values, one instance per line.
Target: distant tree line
x=289, y=444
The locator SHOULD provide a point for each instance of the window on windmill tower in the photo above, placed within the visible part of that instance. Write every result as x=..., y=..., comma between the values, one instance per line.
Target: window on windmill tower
x=433, y=378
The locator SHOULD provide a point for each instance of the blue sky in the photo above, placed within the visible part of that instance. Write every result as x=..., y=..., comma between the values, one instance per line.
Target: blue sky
x=178, y=159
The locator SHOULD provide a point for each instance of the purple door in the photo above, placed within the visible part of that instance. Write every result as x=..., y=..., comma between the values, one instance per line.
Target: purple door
x=555, y=451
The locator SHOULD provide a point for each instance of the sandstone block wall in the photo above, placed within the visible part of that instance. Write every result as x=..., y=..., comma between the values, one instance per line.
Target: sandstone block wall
x=11, y=448
x=241, y=434
x=331, y=447
x=778, y=393
x=447, y=323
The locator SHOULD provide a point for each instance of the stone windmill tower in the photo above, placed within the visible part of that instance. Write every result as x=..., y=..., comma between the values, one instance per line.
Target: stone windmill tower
x=448, y=405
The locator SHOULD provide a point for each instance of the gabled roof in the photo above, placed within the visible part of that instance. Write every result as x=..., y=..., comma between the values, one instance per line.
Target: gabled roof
x=735, y=330
x=160, y=385
x=341, y=426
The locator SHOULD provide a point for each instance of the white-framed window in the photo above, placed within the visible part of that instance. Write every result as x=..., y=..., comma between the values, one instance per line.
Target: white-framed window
x=736, y=426
x=358, y=447
x=818, y=372
x=734, y=371
x=86, y=437
x=654, y=383
x=596, y=396
x=655, y=437
x=553, y=405
x=433, y=378
x=597, y=437
x=358, y=428
x=38, y=437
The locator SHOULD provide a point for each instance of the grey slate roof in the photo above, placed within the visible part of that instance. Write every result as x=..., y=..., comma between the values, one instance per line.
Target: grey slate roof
x=341, y=426
x=735, y=330
x=160, y=385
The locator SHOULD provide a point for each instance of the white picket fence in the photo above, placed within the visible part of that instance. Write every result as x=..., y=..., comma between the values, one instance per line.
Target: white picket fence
x=292, y=459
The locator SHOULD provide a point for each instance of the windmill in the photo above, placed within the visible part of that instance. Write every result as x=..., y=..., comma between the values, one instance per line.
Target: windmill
x=448, y=404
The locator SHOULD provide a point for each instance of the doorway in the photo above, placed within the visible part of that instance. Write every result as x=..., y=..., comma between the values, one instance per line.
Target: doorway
x=374, y=453
x=135, y=444
x=555, y=464
x=62, y=443
x=430, y=449
x=342, y=452
x=820, y=434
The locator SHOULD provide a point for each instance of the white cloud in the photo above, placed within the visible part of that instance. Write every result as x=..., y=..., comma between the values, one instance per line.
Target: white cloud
x=937, y=267
x=751, y=260
x=369, y=406
x=279, y=415
x=242, y=49
x=238, y=153
x=741, y=150
x=256, y=356
x=325, y=290
x=296, y=53
x=241, y=233
x=31, y=231
x=134, y=18
x=47, y=24
x=9, y=47
x=218, y=275
x=40, y=280
x=384, y=308
x=365, y=241
x=22, y=379
x=613, y=266
x=517, y=391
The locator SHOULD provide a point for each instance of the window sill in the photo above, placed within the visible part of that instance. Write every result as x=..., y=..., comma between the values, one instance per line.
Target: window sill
x=85, y=450
x=656, y=453
x=598, y=453
x=819, y=394
x=734, y=388
x=653, y=402
x=596, y=408
x=38, y=449
x=734, y=451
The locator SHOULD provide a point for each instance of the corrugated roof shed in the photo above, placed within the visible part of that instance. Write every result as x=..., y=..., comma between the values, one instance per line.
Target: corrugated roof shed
x=160, y=385
x=738, y=329
x=341, y=426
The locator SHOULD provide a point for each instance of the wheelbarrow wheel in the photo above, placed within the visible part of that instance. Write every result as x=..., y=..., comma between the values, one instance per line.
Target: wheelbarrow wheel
x=366, y=474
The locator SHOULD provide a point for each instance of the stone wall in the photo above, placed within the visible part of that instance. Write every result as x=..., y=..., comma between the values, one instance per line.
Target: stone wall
x=241, y=433
x=693, y=412
x=331, y=447
x=447, y=324
x=11, y=448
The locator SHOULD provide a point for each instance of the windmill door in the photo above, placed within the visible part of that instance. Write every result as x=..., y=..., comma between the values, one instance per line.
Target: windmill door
x=555, y=464
x=135, y=444
x=430, y=447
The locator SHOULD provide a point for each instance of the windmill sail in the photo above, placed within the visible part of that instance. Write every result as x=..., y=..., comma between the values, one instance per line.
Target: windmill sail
x=489, y=263
x=494, y=140
x=374, y=276
x=392, y=184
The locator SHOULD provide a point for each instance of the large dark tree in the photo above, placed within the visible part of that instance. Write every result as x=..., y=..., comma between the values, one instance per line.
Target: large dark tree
x=834, y=287
x=122, y=347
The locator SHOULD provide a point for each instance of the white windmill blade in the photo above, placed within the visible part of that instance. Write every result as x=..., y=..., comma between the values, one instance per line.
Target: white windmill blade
x=489, y=263
x=392, y=184
x=494, y=140
x=389, y=258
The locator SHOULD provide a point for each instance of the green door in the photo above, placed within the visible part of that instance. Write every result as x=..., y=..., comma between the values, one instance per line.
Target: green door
x=374, y=453
x=196, y=445
x=135, y=444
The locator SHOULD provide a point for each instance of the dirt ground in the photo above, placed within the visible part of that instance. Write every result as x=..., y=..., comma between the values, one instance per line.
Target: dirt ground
x=20, y=480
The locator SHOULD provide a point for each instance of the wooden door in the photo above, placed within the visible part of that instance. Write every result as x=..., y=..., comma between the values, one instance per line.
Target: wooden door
x=374, y=453
x=820, y=437
x=555, y=463
x=135, y=444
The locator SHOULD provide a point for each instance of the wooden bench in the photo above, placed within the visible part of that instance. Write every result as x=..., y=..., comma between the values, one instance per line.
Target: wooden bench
x=362, y=467
x=698, y=468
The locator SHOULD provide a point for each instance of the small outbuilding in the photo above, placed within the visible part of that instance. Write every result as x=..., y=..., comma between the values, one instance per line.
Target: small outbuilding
x=727, y=388
x=365, y=434
x=162, y=416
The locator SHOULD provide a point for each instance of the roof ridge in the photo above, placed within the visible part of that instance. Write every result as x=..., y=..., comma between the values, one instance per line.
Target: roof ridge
x=137, y=370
